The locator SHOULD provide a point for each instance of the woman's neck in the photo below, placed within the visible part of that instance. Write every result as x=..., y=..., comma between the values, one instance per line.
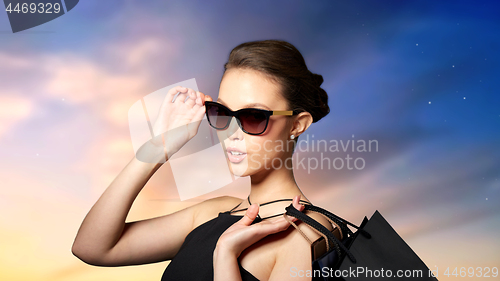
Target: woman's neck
x=270, y=185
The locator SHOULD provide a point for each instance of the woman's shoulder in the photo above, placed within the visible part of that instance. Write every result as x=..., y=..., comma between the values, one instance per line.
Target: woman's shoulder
x=210, y=208
x=220, y=203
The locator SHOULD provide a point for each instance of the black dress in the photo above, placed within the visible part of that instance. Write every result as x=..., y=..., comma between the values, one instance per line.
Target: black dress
x=194, y=261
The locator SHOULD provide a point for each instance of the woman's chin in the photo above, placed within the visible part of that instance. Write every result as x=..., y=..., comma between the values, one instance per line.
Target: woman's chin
x=239, y=169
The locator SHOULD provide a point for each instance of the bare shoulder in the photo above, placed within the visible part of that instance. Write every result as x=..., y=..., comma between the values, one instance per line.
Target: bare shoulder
x=210, y=208
x=219, y=203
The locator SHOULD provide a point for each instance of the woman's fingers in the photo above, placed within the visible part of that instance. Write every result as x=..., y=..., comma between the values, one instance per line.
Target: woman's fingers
x=185, y=95
x=172, y=92
x=243, y=233
x=296, y=203
x=268, y=227
x=250, y=215
x=181, y=97
x=198, y=115
x=192, y=99
x=207, y=98
x=275, y=226
x=198, y=101
x=188, y=96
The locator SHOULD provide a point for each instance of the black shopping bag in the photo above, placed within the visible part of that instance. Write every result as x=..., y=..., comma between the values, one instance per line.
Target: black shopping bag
x=374, y=252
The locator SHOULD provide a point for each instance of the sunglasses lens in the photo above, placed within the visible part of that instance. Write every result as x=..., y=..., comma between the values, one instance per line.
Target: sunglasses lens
x=253, y=121
x=217, y=116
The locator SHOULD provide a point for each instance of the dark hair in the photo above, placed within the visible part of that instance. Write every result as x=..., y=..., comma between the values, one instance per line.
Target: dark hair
x=281, y=62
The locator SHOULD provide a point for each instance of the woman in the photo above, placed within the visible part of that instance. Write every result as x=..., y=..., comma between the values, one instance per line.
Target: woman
x=223, y=238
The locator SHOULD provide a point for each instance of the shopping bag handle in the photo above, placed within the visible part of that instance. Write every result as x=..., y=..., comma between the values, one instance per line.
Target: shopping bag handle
x=292, y=211
x=340, y=221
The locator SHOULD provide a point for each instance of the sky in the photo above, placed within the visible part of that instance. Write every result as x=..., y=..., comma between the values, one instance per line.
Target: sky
x=419, y=77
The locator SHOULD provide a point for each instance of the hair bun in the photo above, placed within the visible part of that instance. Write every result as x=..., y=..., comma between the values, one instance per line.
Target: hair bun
x=284, y=63
x=318, y=79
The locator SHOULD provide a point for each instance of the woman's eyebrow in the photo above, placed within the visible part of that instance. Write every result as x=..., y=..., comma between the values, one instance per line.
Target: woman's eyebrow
x=247, y=105
x=256, y=104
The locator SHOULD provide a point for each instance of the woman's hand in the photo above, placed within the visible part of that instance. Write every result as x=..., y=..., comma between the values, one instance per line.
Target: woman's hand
x=179, y=121
x=242, y=234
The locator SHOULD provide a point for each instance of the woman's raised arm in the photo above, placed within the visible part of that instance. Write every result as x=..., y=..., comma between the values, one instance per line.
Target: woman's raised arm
x=104, y=239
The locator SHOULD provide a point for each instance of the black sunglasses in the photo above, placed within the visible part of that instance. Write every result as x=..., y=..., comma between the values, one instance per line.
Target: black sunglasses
x=252, y=121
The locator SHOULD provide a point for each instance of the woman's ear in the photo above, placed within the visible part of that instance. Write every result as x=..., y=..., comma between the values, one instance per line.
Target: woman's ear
x=301, y=123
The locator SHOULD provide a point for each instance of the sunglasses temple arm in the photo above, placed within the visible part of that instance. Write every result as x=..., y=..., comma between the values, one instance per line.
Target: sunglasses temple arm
x=286, y=112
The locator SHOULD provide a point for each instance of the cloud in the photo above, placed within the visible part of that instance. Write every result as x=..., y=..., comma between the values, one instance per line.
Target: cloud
x=108, y=83
x=82, y=81
x=13, y=109
x=15, y=62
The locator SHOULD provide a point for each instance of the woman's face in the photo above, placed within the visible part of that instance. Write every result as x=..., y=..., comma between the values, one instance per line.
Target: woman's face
x=270, y=150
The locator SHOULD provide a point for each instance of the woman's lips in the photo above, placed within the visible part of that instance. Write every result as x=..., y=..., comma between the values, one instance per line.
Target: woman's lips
x=235, y=158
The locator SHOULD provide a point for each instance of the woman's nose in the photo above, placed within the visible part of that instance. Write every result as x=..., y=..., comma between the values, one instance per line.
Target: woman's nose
x=234, y=130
